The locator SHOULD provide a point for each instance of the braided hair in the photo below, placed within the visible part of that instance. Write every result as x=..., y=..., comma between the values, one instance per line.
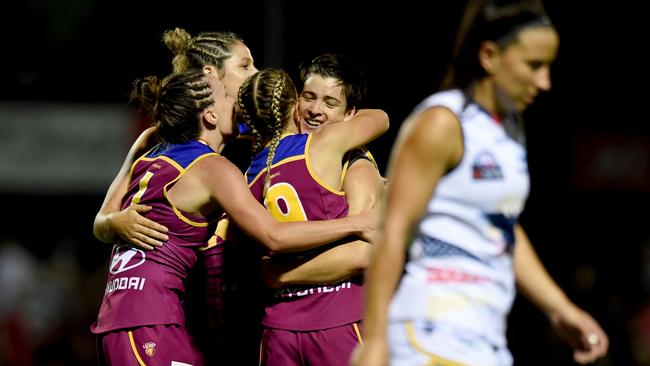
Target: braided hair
x=266, y=101
x=174, y=103
x=207, y=48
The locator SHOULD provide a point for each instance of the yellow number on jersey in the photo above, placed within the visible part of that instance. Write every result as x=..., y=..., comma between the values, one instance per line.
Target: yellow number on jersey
x=292, y=210
x=143, y=187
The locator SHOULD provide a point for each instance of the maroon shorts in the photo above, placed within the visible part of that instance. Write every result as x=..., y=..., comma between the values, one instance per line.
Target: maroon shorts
x=159, y=345
x=325, y=347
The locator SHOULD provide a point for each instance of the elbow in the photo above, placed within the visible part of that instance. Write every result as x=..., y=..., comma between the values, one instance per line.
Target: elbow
x=274, y=247
x=386, y=121
x=360, y=258
x=364, y=255
x=273, y=242
x=101, y=235
x=97, y=232
x=383, y=120
x=271, y=235
x=379, y=119
x=101, y=230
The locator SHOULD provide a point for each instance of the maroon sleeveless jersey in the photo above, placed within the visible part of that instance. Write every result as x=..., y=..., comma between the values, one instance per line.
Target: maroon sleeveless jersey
x=146, y=287
x=296, y=194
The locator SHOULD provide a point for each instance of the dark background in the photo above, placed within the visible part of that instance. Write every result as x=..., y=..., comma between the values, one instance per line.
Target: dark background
x=587, y=212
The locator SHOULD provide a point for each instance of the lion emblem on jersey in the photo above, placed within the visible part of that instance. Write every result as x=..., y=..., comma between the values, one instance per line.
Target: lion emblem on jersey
x=149, y=348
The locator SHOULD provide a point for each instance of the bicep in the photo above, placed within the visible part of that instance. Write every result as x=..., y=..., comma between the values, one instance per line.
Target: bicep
x=361, y=184
x=234, y=196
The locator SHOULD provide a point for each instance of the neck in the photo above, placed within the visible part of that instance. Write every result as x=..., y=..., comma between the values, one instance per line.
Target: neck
x=215, y=142
x=483, y=93
x=291, y=127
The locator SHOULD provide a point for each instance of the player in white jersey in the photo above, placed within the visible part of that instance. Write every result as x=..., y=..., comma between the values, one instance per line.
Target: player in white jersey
x=459, y=180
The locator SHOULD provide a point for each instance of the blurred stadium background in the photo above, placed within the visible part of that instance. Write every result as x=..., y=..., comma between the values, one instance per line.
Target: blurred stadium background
x=65, y=127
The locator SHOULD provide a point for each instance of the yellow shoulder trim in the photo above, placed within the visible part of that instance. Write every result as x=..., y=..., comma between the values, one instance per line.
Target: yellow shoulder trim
x=178, y=213
x=313, y=175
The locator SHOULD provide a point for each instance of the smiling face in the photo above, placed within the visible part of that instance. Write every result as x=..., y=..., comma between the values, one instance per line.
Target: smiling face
x=523, y=69
x=321, y=101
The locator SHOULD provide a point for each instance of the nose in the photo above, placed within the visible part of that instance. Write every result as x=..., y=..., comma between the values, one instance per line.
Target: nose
x=315, y=107
x=543, y=78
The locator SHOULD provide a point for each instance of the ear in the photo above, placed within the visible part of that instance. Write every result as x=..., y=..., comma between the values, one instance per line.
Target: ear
x=349, y=114
x=296, y=117
x=210, y=117
x=211, y=70
x=488, y=56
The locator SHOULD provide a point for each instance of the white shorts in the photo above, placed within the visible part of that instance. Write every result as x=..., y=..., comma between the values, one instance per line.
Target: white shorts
x=418, y=343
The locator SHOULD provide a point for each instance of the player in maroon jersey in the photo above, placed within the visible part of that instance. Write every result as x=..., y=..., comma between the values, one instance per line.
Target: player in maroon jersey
x=141, y=316
x=298, y=178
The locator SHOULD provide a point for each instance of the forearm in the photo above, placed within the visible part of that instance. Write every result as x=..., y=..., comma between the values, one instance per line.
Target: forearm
x=333, y=265
x=533, y=281
x=256, y=221
x=362, y=184
x=305, y=235
x=102, y=227
x=364, y=127
x=382, y=277
x=579, y=329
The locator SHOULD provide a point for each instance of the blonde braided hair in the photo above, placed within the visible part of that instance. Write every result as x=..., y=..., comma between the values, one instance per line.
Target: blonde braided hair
x=208, y=48
x=277, y=129
x=246, y=93
x=266, y=101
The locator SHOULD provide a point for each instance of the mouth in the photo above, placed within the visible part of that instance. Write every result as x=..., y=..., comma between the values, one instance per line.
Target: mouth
x=529, y=100
x=530, y=97
x=312, y=124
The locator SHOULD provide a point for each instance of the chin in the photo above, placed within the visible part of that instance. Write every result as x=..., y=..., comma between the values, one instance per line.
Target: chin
x=523, y=106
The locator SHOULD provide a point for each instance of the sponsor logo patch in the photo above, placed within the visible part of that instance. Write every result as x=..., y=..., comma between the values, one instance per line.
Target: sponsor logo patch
x=485, y=167
x=126, y=258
